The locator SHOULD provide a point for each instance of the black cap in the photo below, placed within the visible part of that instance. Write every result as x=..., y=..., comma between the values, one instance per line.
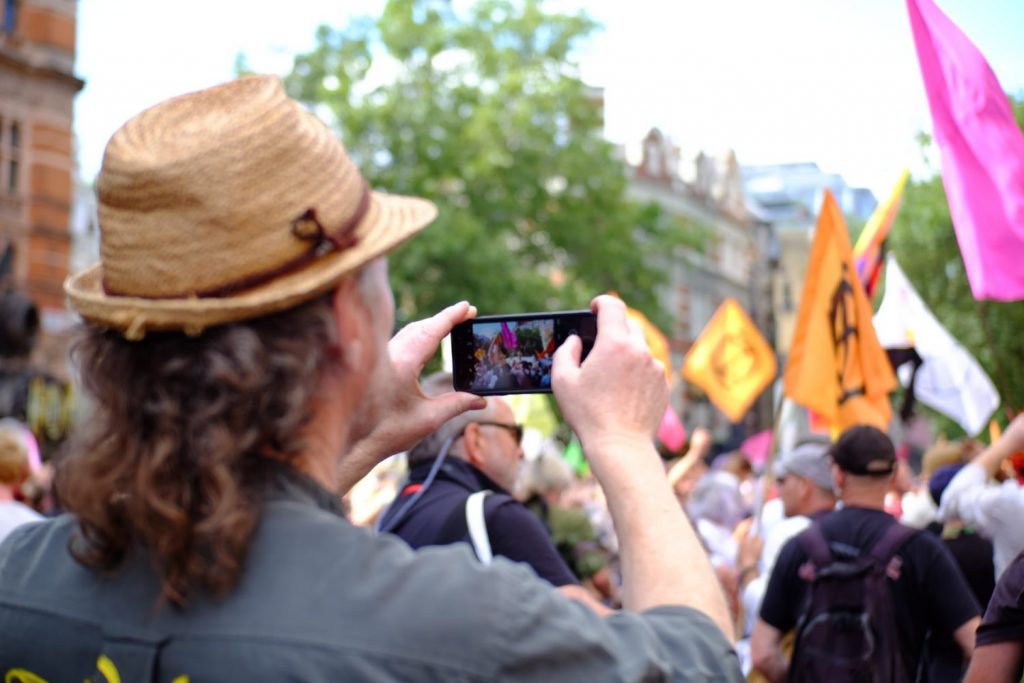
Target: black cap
x=864, y=450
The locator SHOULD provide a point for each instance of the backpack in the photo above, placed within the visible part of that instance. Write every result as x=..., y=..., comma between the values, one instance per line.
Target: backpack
x=469, y=521
x=847, y=629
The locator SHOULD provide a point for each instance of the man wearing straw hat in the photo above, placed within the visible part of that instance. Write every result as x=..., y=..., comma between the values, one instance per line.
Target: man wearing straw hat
x=238, y=362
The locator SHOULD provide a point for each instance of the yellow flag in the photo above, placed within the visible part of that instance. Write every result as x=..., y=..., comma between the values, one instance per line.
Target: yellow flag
x=657, y=342
x=868, y=255
x=836, y=366
x=994, y=431
x=730, y=361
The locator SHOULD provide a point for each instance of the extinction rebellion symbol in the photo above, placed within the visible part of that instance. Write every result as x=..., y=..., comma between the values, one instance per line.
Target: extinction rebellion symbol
x=843, y=314
x=732, y=360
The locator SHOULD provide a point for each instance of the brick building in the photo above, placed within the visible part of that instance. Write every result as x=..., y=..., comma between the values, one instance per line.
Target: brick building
x=37, y=159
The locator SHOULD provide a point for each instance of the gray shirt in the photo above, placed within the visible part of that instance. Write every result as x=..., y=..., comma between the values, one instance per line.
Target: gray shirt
x=321, y=600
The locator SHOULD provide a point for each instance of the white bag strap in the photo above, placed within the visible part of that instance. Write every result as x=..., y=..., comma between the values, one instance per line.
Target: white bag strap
x=477, y=526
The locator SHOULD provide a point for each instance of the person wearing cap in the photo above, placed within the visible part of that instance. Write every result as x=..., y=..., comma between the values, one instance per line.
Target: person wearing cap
x=929, y=595
x=477, y=451
x=994, y=510
x=1000, y=648
x=973, y=555
x=241, y=379
x=804, y=479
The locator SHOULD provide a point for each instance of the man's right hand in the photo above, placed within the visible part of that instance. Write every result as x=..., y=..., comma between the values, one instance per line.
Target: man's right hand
x=618, y=394
x=614, y=401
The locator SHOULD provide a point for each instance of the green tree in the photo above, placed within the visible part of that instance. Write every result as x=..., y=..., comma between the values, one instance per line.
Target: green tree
x=485, y=113
x=925, y=244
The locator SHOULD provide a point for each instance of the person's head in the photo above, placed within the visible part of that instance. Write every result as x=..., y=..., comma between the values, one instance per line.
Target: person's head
x=487, y=439
x=717, y=498
x=804, y=477
x=864, y=464
x=735, y=463
x=496, y=352
x=940, y=479
x=242, y=292
x=14, y=466
x=941, y=454
x=547, y=476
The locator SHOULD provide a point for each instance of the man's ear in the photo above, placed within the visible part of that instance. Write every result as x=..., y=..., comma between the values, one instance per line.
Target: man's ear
x=839, y=477
x=471, y=444
x=350, y=322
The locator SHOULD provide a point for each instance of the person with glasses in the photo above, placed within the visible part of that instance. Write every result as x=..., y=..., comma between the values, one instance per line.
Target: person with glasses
x=476, y=451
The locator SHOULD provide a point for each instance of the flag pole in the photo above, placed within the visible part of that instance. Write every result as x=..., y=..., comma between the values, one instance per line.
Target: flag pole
x=761, y=492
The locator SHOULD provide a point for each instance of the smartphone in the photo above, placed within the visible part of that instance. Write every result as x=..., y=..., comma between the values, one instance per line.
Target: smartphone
x=511, y=354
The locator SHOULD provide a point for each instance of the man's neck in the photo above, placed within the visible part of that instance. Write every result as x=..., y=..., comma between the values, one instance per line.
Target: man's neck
x=863, y=499
x=6, y=493
x=819, y=505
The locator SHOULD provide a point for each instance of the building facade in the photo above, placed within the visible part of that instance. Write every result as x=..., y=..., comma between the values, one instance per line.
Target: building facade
x=737, y=262
x=37, y=159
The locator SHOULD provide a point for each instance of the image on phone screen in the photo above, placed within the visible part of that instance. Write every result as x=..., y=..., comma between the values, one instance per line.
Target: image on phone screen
x=513, y=354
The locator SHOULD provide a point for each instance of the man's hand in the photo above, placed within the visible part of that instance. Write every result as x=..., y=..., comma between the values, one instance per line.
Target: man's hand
x=618, y=394
x=614, y=401
x=406, y=415
x=1011, y=441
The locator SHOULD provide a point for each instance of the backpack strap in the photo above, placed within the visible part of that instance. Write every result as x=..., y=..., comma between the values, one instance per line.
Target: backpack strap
x=477, y=525
x=890, y=542
x=816, y=545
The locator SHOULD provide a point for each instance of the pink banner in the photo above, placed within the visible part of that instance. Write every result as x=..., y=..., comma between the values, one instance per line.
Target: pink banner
x=982, y=153
x=757, y=447
x=508, y=337
x=671, y=432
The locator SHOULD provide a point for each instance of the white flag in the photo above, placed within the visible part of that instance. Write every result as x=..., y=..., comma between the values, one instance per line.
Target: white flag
x=949, y=380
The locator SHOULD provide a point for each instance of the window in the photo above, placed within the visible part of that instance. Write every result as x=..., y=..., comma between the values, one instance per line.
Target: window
x=10, y=155
x=10, y=16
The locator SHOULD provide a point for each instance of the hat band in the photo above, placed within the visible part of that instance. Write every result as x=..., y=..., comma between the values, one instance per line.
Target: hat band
x=306, y=227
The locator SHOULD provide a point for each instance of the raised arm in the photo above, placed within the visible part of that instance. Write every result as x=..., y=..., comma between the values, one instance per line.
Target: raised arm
x=614, y=402
x=1009, y=443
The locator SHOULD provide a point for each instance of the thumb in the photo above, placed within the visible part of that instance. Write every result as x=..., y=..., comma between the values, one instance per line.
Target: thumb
x=447, y=406
x=566, y=361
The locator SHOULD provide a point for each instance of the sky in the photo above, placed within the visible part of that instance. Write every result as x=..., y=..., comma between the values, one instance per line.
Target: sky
x=835, y=82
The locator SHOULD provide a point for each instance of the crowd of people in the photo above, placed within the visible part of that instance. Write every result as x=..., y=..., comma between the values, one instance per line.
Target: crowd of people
x=243, y=378
x=498, y=369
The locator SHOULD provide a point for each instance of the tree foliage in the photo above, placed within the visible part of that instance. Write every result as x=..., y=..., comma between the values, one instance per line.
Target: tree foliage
x=485, y=113
x=925, y=244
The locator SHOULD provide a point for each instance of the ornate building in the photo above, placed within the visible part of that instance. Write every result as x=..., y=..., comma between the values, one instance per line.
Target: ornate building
x=37, y=170
x=737, y=262
x=37, y=161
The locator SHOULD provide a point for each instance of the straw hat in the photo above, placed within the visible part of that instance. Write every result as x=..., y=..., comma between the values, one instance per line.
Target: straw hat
x=227, y=204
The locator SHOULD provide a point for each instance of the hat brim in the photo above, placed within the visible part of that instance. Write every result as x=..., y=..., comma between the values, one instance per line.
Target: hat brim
x=389, y=221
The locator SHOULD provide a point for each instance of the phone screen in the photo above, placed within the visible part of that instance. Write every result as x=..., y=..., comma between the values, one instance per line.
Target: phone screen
x=512, y=354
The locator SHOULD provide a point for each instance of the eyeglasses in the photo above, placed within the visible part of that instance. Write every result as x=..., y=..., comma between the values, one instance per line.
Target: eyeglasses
x=516, y=429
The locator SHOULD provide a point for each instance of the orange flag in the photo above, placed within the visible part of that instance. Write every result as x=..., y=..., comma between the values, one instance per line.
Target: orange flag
x=731, y=361
x=657, y=342
x=836, y=366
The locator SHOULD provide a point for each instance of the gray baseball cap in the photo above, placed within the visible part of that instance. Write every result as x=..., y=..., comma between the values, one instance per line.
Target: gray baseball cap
x=808, y=460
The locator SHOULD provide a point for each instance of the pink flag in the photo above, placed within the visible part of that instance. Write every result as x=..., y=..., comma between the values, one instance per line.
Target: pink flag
x=508, y=337
x=671, y=432
x=758, y=447
x=982, y=153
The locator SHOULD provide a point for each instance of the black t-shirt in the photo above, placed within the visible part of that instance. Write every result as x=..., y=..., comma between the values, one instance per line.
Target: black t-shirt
x=930, y=594
x=1004, y=618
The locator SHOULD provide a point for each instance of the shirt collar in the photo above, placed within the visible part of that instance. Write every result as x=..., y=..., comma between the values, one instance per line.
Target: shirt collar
x=459, y=471
x=284, y=482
